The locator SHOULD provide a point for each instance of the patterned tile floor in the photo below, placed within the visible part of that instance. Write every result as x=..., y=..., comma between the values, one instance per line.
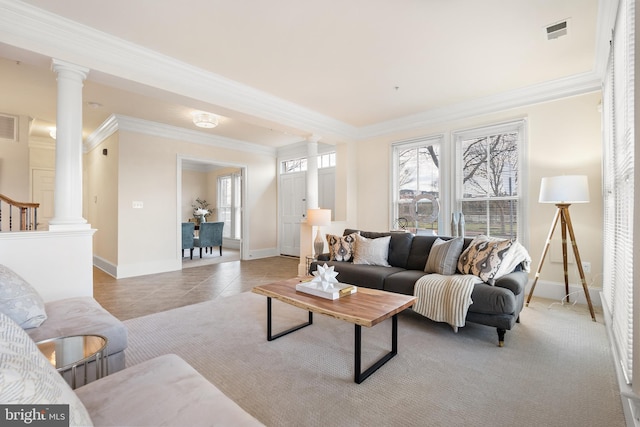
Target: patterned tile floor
x=139, y=296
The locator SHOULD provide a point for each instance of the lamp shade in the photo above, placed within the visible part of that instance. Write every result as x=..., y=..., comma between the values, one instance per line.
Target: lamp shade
x=564, y=189
x=319, y=217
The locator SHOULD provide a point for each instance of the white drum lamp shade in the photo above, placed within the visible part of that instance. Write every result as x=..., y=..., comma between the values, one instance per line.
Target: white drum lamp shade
x=318, y=218
x=565, y=189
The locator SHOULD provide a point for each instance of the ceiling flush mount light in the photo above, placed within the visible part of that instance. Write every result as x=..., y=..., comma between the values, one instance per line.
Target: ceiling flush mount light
x=205, y=120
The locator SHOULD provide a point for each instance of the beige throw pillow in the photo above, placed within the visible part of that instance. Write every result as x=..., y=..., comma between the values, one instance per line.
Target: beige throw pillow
x=372, y=251
x=443, y=256
x=483, y=257
x=341, y=247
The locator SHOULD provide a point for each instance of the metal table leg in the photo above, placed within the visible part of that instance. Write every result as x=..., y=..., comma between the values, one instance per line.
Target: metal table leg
x=360, y=376
x=270, y=336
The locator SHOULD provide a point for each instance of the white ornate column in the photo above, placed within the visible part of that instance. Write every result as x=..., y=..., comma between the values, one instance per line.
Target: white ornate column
x=68, y=181
x=306, y=231
x=312, y=172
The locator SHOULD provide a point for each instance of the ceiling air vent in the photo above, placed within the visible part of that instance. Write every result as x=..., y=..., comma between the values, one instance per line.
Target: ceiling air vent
x=559, y=29
x=8, y=127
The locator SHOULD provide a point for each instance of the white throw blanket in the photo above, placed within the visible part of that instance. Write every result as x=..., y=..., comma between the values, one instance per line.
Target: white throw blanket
x=445, y=298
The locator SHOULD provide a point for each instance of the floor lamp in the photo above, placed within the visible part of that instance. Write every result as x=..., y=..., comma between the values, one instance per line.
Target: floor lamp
x=318, y=218
x=564, y=191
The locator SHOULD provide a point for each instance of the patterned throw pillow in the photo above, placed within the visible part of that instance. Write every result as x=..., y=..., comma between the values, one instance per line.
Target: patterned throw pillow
x=28, y=378
x=443, y=256
x=483, y=257
x=19, y=300
x=341, y=247
x=372, y=251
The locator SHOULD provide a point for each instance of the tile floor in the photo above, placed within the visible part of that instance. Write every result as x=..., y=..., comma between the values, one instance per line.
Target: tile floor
x=139, y=296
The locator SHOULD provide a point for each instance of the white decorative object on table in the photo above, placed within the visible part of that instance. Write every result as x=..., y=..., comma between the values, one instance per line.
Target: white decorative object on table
x=325, y=277
x=325, y=284
x=202, y=213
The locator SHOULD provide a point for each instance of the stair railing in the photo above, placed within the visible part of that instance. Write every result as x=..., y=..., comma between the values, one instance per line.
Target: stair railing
x=28, y=213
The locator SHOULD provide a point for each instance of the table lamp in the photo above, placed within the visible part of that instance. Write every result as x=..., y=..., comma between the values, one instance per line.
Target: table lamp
x=564, y=191
x=318, y=218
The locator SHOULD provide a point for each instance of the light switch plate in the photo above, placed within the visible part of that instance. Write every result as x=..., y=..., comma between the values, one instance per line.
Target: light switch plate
x=138, y=205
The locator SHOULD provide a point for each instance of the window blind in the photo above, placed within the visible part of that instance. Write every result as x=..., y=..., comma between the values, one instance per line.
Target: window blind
x=618, y=185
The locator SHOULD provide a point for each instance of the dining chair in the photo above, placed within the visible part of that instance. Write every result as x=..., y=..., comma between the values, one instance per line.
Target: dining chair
x=188, y=238
x=210, y=235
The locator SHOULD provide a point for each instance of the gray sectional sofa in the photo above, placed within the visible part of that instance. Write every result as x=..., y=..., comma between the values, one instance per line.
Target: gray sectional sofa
x=497, y=304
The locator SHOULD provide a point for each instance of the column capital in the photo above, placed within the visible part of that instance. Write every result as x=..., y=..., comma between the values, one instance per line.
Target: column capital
x=59, y=66
x=313, y=138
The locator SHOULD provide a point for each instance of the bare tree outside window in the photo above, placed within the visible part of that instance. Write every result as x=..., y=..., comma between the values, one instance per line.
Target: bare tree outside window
x=418, y=187
x=490, y=174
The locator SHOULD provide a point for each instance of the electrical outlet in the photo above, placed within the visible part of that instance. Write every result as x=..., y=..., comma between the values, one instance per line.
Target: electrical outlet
x=586, y=267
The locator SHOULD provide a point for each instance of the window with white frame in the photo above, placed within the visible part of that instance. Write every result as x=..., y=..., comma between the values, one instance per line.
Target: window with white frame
x=417, y=180
x=327, y=160
x=230, y=205
x=489, y=177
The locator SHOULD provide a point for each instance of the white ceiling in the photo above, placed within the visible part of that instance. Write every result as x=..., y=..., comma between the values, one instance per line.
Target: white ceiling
x=356, y=63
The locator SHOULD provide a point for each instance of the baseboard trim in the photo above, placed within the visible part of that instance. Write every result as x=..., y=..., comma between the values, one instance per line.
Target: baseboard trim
x=262, y=253
x=106, y=266
x=555, y=291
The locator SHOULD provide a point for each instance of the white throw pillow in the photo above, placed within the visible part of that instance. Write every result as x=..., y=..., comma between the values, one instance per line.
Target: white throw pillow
x=443, y=256
x=19, y=300
x=28, y=378
x=372, y=251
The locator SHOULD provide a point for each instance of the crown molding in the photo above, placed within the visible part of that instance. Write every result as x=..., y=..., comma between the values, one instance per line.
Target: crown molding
x=104, y=131
x=25, y=26
x=37, y=30
x=548, y=91
x=117, y=122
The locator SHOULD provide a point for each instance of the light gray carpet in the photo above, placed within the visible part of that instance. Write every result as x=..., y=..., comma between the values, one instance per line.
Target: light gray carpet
x=555, y=370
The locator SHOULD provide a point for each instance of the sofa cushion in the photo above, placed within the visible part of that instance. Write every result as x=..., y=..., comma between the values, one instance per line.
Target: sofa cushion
x=27, y=377
x=399, y=246
x=19, y=300
x=483, y=257
x=443, y=256
x=420, y=247
x=371, y=251
x=403, y=282
x=81, y=316
x=341, y=247
x=368, y=276
x=164, y=391
x=489, y=299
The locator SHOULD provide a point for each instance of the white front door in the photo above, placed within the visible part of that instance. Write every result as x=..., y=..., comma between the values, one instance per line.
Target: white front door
x=293, y=208
x=43, y=182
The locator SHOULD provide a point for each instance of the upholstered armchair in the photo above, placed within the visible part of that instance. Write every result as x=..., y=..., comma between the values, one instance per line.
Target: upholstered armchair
x=210, y=235
x=187, y=238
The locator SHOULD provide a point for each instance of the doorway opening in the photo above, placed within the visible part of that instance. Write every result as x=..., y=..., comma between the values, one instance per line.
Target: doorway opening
x=221, y=186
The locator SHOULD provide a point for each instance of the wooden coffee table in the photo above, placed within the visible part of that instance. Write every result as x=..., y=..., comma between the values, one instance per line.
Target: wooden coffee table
x=367, y=307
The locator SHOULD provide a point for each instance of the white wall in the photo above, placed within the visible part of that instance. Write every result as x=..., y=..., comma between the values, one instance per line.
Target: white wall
x=15, y=182
x=148, y=238
x=195, y=184
x=564, y=137
x=57, y=264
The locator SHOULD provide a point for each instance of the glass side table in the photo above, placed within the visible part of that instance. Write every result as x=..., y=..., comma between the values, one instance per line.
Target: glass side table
x=310, y=259
x=67, y=353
